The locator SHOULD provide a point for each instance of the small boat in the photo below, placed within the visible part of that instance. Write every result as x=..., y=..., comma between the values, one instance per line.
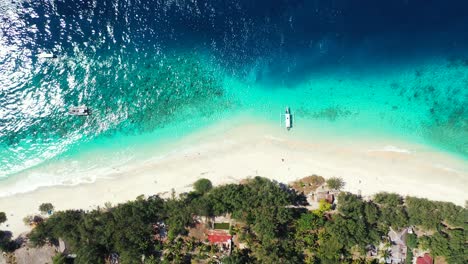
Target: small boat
x=79, y=110
x=46, y=55
x=287, y=117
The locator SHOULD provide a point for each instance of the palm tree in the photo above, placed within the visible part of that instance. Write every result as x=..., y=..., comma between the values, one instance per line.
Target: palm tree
x=385, y=253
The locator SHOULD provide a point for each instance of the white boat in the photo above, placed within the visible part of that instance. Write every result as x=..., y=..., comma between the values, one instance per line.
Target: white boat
x=79, y=110
x=287, y=117
x=46, y=55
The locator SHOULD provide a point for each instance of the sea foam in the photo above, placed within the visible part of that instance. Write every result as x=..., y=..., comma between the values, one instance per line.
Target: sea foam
x=391, y=148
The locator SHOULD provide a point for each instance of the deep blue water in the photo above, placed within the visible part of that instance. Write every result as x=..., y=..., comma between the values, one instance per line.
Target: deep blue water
x=141, y=65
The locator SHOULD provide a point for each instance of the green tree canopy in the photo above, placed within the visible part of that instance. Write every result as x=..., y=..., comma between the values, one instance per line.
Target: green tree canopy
x=202, y=186
x=59, y=259
x=265, y=220
x=335, y=183
x=307, y=229
x=411, y=241
x=6, y=244
x=392, y=210
x=429, y=214
x=125, y=229
x=389, y=199
x=46, y=207
x=3, y=217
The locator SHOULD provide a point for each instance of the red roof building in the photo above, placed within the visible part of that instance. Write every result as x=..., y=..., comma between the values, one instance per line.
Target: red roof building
x=426, y=259
x=219, y=237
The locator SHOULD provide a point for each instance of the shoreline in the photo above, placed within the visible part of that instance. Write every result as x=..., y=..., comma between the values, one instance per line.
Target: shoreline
x=228, y=152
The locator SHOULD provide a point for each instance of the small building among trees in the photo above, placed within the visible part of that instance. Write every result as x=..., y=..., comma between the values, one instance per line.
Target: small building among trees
x=426, y=259
x=220, y=238
x=398, y=248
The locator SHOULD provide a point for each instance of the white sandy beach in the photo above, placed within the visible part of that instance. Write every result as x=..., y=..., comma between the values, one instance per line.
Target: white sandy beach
x=227, y=154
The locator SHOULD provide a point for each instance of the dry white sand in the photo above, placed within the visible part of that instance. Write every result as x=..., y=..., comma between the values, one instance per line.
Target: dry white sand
x=226, y=154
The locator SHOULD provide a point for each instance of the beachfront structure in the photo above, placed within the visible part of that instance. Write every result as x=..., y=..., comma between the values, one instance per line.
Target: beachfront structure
x=221, y=238
x=426, y=259
x=325, y=195
x=215, y=231
x=160, y=230
x=410, y=230
x=371, y=251
x=398, y=248
x=321, y=195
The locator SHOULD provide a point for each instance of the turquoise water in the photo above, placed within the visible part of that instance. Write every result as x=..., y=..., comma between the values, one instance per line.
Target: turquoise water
x=420, y=103
x=424, y=103
x=153, y=71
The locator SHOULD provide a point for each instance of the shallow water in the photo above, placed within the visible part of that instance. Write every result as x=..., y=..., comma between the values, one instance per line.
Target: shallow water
x=151, y=70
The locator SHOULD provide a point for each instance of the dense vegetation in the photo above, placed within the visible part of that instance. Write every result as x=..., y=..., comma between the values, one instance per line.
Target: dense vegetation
x=273, y=230
x=449, y=223
x=6, y=244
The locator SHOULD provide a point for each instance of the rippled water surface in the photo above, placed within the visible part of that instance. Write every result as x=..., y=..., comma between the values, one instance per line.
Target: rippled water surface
x=141, y=66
